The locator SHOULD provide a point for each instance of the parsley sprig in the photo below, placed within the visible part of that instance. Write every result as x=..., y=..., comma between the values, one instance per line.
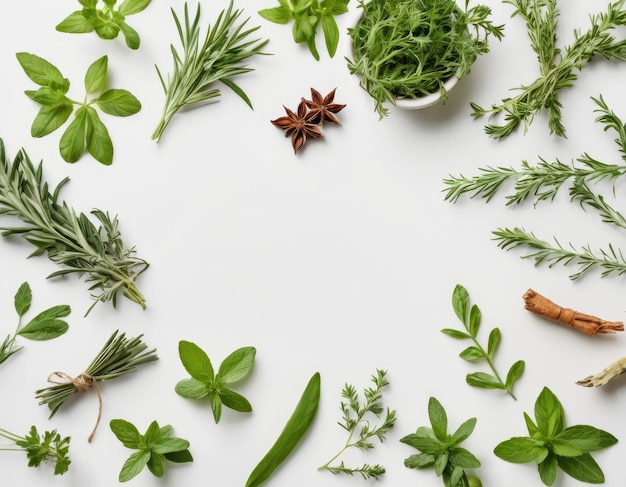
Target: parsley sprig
x=50, y=447
x=357, y=421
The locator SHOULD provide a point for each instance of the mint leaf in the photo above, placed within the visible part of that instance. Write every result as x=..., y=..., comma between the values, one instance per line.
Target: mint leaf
x=237, y=365
x=484, y=380
x=99, y=142
x=126, y=432
x=23, y=299
x=49, y=118
x=47, y=96
x=131, y=36
x=191, y=388
x=549, y=413
x=132, y=7
x=438, y=419
x=331, y=33
x=41, y=71
x=587, y=438
x=196, y=362
x=278, y=15
x=72, y=143
x=520, y=449
x=235, y=401
x=96, y=76
x=47, y=325
x=120, y=103
x=583, y=468
x=134, y=465
x=75, y=23
x=548, y=469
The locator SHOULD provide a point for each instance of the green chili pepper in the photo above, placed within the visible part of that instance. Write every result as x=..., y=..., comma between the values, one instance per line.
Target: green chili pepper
x=292, y=433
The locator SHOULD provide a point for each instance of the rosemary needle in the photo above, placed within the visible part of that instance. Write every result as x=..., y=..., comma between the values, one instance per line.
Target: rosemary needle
x=218, y=58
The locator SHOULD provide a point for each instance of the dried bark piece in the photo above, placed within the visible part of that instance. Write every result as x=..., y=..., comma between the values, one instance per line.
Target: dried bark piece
x=611, y=372
x=588, y=324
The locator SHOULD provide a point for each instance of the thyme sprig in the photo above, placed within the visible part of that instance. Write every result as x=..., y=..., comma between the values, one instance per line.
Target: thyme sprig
x=119, y=356
x=70, y=239
x=360, y=430
x=219, y=58
x=541, y=93
x=542, y=182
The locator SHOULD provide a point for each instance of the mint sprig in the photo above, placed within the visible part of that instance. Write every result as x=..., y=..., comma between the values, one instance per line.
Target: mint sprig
x=553, y=446
x=86, y=131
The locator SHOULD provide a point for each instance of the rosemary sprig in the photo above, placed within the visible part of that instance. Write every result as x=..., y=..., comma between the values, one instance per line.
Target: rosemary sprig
x=360, y=430
x=218, y=58
x=541, y=93
x=69, y=239
x=542, y=182
x=119, y=356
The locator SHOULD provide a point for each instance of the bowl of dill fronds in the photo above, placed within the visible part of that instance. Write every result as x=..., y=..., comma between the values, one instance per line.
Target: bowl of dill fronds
x=411, y=53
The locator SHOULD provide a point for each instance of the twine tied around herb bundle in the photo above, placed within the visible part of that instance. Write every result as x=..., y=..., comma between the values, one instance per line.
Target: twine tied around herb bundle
x=82, y=382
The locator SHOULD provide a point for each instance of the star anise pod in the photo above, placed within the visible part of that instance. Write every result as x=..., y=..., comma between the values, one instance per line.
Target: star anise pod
x=298, y=125
x=323, y=108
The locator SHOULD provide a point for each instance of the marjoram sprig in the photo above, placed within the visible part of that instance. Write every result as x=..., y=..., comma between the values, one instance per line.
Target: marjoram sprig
x=70, y=239
x=52, y=447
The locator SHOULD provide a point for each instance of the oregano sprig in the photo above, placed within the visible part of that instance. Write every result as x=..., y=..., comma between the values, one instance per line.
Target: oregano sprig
x=51, y=447
x=470, y=316
x=107, y=21
x=357, y=419
x=69, y=239
x=86, y=131
x=553, y=446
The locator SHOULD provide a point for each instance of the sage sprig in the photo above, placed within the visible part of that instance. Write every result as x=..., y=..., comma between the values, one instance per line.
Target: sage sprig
x=44, y=326
x=107, y=21
x=470, y=317
x=86, y=131
x=541, y=182
x=220, y=57
x=553, y=446
x=358, y=420
x=49, y=447
x=119, y=356
x=541, y=94
x=69, y=239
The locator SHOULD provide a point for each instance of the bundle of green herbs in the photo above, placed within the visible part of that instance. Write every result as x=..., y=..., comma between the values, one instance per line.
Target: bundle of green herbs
x=410, y=48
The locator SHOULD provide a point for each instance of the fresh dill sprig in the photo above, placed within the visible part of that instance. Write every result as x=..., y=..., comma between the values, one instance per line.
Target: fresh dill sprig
x=542, y=182
x=69, y=239
x=360, y=430
x=49, y=448
x=219, y=58
x=541, y=93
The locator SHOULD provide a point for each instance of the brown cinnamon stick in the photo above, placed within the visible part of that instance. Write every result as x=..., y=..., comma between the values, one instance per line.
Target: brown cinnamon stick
x=588, y=324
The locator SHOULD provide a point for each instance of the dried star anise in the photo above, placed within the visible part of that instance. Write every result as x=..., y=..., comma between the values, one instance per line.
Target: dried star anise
x=298, y=125
x=322, y=109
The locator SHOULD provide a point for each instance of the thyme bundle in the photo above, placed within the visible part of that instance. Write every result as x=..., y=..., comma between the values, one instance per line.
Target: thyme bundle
x=119, y=356
x=69, y=239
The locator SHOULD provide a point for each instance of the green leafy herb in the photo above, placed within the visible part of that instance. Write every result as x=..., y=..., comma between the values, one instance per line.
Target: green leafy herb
x=45, y=326
x=153, y=448
x=49, y=448
x=410, y=48
x=308, y=16
x=441, y=450
x=551, y=445
x=557, y=71
x=295, y=429
x=119, y=356
x=204, y=382
x=106, y=21
x=86, y=131
x=220, y=57
x=470, y=316
x=68, y=238
x=357, y=422
x=541, y=182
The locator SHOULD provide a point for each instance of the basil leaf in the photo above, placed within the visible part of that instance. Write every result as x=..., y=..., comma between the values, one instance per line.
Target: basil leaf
x=438, y=419
x=99, y=142
x=47, y=325
x=582, y=467
x=126, y=432
x=420, y=460
x=531, y=426
x=549, y=413
x=237, y=365
x=47, y=96
x=196, y=362
x=41, y=71
x=519, y=449
x=49, y=118
x=134, y=464
x=331, y=33
x=72, y=143
x=234, y=400
x=278, y=15
x=117, y=102
x=106, y=29
x=75, y=23
x=131, y=7
x=96, y=76
x=548, y=469
x=155, y=464
x=191, y=388
x=587, y=438
x=484, y=380
x=564, y=448
x=23, y=299
x=131, y=36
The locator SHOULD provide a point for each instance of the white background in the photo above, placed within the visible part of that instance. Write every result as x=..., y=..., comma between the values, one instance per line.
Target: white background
x=340, y=259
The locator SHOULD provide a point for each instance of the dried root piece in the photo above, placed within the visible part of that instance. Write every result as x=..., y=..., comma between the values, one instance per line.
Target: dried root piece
x=588, y=324
x=607, y=375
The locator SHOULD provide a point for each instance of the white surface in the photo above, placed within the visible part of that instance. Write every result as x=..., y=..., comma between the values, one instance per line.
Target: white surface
x=341, y=259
